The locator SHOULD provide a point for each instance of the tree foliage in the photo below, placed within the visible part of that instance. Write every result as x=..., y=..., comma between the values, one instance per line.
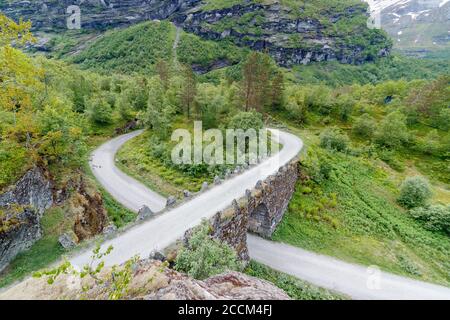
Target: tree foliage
x=204, y=256
x=414, y=192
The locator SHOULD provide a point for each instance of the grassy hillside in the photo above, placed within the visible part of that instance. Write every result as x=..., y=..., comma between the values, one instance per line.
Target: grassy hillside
x=395, y=67
x=136, y=49
x=354, y=216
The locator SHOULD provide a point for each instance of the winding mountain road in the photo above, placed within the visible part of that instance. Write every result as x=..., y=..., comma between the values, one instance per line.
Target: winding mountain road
x=353, y=280
x=165, y=229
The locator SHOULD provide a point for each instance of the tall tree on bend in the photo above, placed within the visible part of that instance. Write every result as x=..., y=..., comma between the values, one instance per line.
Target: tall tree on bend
x=189, y=89
x=162, y=68
x=256, y=81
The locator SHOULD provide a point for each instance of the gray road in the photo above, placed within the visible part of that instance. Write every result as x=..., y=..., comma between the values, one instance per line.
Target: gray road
x=356, y=281
x=129, y=192
x=353, y=280
x=165, y=229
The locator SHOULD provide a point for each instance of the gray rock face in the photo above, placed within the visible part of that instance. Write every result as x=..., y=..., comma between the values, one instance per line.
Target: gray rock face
x=150, y=280
x=109, y=229
x=187, y=194
x=33, y=189
x=157, y=255
x=289, y=40
x=143, y=213
x=227, y=286
x=20, y=236
x=21, y=209
x=50, y=15
x=67, y=241
x=171, y=201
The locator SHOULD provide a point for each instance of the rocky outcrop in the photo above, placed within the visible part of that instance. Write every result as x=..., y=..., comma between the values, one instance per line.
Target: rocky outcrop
x=151, y=280
x=91, y=217
x=228, y=286
x=287, y=35
x=21, y=209
x=50, y=15
x=290, y=40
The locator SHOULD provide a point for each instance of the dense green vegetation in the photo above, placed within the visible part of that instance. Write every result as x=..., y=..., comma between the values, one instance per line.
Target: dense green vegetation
x=340, y=23
x=396, y=67
x=134, y=50
x=368, y=130
x=138, y=48
x=347, y=208
x=295, y=288
x=203, y=256
x=43, y=122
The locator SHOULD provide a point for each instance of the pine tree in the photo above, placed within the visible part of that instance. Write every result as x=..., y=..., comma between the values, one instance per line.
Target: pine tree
x=256, y=81
x=189, y=90
x=277, y=91
x=162, y=68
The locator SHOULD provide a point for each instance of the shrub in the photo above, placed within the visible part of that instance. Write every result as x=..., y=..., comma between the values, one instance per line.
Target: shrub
x=99, y=111
x=319, y=99
x=297, y=111
x=246, y=120
x=443, y=119
x=430, y=143
x=344, y=106
x=334, y=139
x=388, y=156
x=415, y=192
x=436, y=217
x=392, y=132
x=364, y=126
x=203, y=256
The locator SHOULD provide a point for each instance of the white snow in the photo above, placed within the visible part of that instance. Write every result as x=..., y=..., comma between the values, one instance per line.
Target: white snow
x=443, y=3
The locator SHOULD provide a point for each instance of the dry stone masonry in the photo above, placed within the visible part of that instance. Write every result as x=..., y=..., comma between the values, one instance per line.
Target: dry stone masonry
x=259, y=211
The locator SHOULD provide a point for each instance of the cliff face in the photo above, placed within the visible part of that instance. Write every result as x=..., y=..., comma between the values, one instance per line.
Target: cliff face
x=50, y=15
x=21, y=210
x=289, y=33
x=291, y=37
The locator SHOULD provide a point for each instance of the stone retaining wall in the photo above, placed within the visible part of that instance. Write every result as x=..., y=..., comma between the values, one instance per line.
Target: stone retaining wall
x=259, y=211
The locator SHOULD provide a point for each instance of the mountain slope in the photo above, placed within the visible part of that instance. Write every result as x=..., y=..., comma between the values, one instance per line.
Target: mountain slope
x=292, y=31
x=136, y=49
x=417, y=26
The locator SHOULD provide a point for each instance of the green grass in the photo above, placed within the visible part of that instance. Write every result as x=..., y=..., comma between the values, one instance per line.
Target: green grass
x=117, y=213
x=44, y=252
x=295, y=288
x=136, y=160
x=47, y=250
x=364, y=225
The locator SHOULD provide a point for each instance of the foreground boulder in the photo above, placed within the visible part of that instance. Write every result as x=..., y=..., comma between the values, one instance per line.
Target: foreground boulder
x=151, y=280
x=21, y=209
